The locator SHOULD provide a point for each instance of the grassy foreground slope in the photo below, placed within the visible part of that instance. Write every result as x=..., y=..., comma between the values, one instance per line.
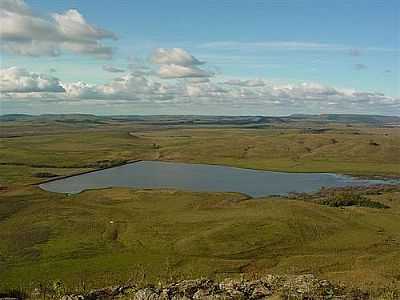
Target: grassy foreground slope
x=105, y=235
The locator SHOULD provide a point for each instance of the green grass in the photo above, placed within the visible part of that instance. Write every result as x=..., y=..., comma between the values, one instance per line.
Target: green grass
x=269, y=149
x=274, y=149
x=114, y=231
x=103, y=236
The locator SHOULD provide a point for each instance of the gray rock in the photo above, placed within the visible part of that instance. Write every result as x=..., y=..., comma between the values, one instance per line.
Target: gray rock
x=268, y=287
x=73, y=297
x=260, y=292
x=147, y=294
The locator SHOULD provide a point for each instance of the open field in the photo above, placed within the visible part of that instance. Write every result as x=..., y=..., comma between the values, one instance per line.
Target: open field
x=110, y=234
x=357, y=150
x=103, y=236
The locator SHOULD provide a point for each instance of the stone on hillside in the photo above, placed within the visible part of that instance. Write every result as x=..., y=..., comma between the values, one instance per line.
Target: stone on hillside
x=148, y=293
x=268, y=287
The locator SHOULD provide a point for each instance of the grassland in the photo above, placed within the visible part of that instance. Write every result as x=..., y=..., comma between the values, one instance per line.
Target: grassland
x=108, y=235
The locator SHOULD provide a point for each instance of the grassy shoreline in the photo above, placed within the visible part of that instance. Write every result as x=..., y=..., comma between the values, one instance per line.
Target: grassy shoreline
x=360, y=176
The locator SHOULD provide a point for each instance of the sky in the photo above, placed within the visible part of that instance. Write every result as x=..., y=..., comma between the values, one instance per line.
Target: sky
x=200, y=57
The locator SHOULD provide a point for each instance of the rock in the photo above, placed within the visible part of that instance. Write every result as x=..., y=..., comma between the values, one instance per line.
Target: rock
x=148, y=293
x=73, y=297
x=260, y=292
x=268, y=287
x=203, y=294
x=188, y=288
x=108, y=293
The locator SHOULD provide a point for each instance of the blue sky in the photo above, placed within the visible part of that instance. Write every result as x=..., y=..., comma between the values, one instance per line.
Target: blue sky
x=346, y=45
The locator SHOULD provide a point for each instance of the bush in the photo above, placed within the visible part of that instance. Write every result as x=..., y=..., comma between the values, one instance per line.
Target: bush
x=351, y=199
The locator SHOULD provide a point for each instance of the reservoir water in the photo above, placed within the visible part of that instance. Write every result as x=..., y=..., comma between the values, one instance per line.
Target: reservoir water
x=202, y=178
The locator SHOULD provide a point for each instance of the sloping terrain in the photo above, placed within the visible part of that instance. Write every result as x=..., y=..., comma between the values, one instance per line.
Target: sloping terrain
x=103, y=236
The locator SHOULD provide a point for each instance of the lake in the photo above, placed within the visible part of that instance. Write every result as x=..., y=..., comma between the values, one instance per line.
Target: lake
x=202, y=178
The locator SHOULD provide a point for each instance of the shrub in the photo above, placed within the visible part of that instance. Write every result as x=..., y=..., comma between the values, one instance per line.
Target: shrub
x=350, y=199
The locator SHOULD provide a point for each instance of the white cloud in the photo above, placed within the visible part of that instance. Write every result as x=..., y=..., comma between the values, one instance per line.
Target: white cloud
x=204, y=90
x=174, y=56
x=303, y=97
x=17, y=6
x=306, y=90
x=25, y=33
x=177, y=71
x=147, y=88
x=18, y=80
x=248, y=83
x=127, y=87
x=82, y=90
x=178, y=63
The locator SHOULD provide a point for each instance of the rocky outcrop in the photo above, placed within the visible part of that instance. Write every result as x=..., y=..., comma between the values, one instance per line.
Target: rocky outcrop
x=268, y=287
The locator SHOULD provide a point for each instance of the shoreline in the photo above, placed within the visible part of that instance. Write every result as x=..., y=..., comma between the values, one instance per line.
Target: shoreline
x=355, y=176
x=384, y=180
x=85, y=172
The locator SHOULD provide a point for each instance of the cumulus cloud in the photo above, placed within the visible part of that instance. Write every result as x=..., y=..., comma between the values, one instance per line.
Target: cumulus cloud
x=25, y=33
x=175, y=56
x=18, y=80
x=248, y=83
x=140, y=68
x=178, y=63
x=204, y=90
x=138, y=88
x=307, y=90
x=177, y=71
x=198, y=80
x=112, y=69
x=128, y=87
x=300, y=97
x=192, y=85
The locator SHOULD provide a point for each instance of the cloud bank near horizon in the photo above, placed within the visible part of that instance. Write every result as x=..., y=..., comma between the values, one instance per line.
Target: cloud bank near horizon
x=172, y=84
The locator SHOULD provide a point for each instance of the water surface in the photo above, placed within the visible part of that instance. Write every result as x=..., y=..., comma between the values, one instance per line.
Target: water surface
x=201, y=178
